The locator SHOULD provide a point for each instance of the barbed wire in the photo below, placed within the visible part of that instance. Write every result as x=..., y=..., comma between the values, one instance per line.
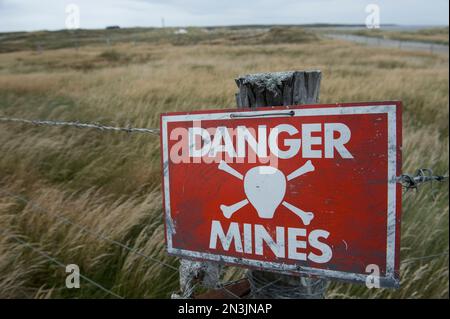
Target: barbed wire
x=77, y=124
x=100, y=236
x=254, y=290
x=225, y=285
x=61, y=264
x=408, y=181
x=272, y=284
x=222, y=285
x=90, y=231
x=303, y=287
x=422, y=175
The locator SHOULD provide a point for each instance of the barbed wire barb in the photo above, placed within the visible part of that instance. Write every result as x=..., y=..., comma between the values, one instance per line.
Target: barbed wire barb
x=422, y=175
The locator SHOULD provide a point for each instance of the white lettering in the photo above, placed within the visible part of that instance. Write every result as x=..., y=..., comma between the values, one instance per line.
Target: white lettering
x=244, y=135
x=309, y=140
x=233, y=234
x=283, y=141
x=202, y=150
x=261, y=236
x=324, y=248
x=295, y=244
x=296, y=248
x=331, y=143
x=222, y=143
x=294, y=144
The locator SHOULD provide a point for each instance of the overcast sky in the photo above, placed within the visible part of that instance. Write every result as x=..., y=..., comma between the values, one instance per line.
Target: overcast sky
x=17, y=15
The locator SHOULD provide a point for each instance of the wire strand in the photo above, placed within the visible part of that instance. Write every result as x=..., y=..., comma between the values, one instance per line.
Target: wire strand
x=408, y=181
x=90, y=231
x=59, y=263
x=422, y=175
x=77, y=124
x=223, y=285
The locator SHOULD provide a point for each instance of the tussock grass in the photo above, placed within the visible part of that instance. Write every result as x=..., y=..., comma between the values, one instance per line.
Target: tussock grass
x=110, y=182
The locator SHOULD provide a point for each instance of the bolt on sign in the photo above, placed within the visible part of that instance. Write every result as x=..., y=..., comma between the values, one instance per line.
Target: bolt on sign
x=300, y=190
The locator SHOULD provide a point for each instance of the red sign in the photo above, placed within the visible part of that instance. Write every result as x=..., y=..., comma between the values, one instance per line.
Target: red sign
x=301, y=190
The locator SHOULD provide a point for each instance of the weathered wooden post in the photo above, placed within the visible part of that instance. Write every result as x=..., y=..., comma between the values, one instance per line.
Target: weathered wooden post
x=276, y=89
x=192, y=273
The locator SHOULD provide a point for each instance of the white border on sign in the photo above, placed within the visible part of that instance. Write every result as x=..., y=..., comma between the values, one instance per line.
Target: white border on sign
x=390, y=110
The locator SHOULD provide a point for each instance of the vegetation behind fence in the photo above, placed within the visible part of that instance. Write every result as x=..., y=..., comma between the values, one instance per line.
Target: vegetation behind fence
x=111, y=182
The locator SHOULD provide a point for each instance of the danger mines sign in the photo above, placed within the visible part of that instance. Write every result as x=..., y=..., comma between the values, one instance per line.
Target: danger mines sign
x=300, y=190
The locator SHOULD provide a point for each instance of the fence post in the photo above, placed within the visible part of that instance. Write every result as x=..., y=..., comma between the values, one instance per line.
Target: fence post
x=276, y=89
x=193, y=273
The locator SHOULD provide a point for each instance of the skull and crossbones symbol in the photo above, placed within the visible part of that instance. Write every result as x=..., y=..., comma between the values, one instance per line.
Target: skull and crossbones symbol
x=265, y=187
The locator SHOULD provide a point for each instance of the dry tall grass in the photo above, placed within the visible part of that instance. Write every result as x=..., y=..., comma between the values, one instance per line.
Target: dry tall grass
x=110, y=182
x=433, y=35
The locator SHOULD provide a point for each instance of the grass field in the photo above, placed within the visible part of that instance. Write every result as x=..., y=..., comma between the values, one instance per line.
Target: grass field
x=110, y=182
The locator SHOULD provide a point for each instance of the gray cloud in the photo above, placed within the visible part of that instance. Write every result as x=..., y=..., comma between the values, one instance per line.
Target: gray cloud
x=50, y=14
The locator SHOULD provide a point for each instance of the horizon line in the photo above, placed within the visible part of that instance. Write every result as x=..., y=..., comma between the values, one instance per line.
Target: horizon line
x=315, y=24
